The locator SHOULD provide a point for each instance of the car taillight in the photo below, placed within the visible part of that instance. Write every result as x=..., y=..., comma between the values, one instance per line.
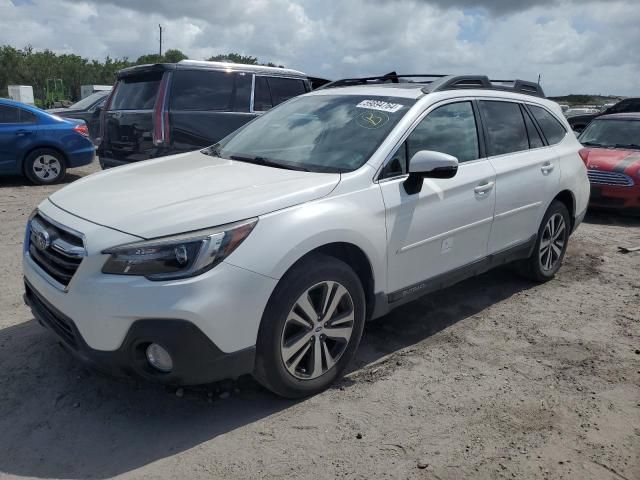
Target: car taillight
x=103, y=114
x=161, y=113
x=82, y=130
x=584, y=154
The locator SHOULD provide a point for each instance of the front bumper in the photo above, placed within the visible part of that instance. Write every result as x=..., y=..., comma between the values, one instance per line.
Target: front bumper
x=615, y=197
x=196, y=359
x=218, y=311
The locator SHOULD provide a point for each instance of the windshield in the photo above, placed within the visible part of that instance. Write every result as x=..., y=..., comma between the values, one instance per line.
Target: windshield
x=321, y=133
x=612, y=133
x=88, y=101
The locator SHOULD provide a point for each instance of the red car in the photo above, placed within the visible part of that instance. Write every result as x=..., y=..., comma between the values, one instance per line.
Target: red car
x=612, y=157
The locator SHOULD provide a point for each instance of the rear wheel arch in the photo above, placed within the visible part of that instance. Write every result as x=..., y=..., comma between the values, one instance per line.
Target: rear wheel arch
x=38, y=147
x=567, y=198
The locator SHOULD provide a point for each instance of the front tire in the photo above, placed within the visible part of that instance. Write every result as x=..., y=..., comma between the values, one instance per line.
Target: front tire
x=45, y=166
x=551, y=245
x=311, y=327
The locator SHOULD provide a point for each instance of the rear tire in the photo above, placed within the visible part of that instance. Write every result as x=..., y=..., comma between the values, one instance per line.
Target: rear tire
x=45, y=166
x=551, y=245
x=311, y=327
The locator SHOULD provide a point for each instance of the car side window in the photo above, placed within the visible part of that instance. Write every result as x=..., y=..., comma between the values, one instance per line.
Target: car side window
x=261, y=95
x=9, y=114
x=535, y=140
x=551, y=127
x=448, y=129
x=283, y=89
x=201, y=90
x=505, y=127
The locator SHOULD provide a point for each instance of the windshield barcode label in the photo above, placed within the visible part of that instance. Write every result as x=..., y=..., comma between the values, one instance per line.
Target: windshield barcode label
x=379, y=105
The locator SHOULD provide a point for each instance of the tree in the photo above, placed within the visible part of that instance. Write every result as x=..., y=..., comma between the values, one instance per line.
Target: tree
x=174, y=56
x=235, y=58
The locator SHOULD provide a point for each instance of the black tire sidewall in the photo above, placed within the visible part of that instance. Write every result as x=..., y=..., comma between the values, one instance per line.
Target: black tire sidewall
x=536, y=267
x=270, y=369
x=31, y=158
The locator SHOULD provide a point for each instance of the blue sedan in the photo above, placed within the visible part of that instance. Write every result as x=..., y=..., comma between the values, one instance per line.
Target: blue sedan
x=40, y=145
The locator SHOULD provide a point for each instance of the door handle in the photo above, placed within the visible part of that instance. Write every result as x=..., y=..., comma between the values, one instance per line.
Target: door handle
x=484, y=189
x=22, y=133
x=547, y=168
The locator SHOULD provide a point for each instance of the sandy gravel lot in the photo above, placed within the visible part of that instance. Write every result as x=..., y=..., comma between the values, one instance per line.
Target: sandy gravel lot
x=495, y=377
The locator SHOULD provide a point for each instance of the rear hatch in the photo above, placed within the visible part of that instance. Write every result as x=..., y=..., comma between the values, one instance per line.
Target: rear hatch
x=129, y=116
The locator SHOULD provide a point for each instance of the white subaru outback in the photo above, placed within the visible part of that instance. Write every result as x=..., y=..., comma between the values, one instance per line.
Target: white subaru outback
x=267, y=252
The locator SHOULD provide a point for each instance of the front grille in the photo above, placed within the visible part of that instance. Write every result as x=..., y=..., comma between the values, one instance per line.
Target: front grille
x=599, y=177
x=54, y=320
x=55, y=249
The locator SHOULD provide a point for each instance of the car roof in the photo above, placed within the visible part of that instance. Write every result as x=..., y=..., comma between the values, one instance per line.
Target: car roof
x=14, y=103
x=417, y=90
x=207, y=65
x=621, y=116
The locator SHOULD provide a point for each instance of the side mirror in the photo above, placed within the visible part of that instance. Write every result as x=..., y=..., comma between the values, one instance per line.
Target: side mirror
x=429, y=164
x=97, y=111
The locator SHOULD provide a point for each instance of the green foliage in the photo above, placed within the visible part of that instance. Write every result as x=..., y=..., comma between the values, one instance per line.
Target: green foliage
x=238, y=58
x=28, y=67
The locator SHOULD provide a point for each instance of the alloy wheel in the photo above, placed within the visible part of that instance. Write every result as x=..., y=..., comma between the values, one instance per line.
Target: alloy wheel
x=46, y=167
x=317, y=330
x=553, y=242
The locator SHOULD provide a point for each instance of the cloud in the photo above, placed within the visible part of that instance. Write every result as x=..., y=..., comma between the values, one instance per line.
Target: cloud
x=586, y=46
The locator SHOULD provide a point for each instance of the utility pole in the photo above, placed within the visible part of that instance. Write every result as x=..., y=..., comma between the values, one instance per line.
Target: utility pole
x=160, y=27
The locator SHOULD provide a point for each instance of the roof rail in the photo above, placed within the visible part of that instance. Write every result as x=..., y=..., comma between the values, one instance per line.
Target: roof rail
x=439, y=82
x=483, y=82
x=391, y=77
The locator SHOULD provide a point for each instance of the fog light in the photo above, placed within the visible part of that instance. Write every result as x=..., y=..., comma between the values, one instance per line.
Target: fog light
x=159, y=358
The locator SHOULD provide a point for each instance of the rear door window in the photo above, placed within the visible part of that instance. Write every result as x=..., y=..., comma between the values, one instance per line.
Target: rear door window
x=283, y=89
x=9, y=114
x=551, y=127
x=202, y=90
x=262, y=96
x=27, y=117
x=136, y=93
x=505, y=127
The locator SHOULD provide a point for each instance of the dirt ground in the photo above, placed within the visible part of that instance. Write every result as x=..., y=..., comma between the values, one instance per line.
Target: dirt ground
x=495, y=377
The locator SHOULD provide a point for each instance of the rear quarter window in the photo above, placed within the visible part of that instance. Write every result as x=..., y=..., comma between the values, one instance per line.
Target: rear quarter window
x=550, y=126
x=136, y=93
x=282, y=89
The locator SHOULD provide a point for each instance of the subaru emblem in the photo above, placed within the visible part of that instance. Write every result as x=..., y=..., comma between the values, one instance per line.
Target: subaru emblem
x=42, y=239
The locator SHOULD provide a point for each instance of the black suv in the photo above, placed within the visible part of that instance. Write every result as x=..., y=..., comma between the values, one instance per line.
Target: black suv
x=628, y=105
x=163, y=109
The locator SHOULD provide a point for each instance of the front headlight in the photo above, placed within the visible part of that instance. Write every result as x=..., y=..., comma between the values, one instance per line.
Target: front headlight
x=178, y=256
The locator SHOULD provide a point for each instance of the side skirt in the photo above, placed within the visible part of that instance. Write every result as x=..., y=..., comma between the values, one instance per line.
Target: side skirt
x=385, y=303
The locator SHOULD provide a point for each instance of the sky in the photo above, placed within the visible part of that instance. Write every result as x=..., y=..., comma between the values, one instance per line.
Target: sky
x=577, y=46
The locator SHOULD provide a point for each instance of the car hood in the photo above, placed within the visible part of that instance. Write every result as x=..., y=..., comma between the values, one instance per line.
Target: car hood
x=187, y=192
x=613, y=160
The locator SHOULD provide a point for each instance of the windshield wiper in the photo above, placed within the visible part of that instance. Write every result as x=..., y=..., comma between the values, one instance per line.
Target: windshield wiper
x=594, y=144
x=268, y=163
x=628, y=145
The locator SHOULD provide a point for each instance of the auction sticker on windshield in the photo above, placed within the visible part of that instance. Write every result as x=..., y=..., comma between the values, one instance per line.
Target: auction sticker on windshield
x=380, y=105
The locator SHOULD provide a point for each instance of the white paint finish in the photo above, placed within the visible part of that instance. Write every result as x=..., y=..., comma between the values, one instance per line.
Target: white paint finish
x=187, y=192
x=406, y=238
x=444, y=209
